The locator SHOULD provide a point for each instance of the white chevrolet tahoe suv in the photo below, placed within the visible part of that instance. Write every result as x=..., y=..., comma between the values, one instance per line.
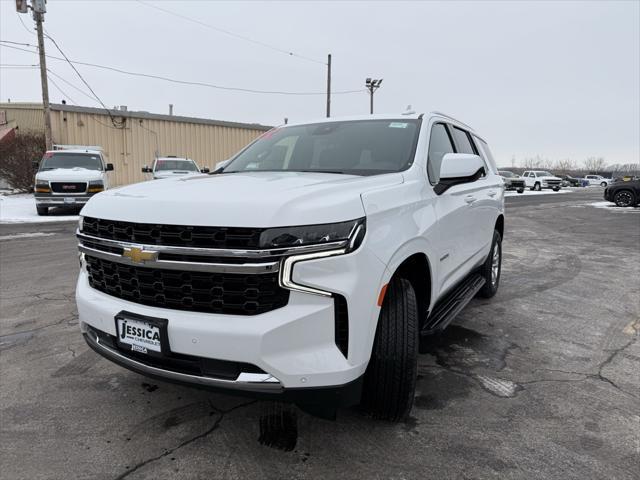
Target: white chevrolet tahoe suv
x=308, y=269
x=70, y=176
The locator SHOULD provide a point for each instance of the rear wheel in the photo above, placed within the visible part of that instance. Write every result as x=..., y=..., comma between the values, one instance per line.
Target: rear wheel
x=390, y=379
x=492, y=268
x=537, y=187
x=42, y=211
x=624, y=198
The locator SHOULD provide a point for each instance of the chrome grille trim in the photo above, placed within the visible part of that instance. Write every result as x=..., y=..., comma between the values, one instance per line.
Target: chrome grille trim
x=246, y=268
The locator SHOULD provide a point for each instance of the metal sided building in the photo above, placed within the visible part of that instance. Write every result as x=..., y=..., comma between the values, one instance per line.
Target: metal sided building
x=133, y=139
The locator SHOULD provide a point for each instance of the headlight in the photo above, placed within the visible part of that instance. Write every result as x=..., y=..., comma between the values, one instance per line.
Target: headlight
x=42, y=187
x=95, y=186
x=80, y=222
x=288, y=237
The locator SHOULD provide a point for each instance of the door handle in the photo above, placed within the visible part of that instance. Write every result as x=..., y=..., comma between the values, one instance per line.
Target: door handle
x=492, y=193
x=469, y=199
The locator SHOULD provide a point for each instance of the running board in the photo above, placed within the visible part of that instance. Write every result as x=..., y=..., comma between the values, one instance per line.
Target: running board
x=450, y=306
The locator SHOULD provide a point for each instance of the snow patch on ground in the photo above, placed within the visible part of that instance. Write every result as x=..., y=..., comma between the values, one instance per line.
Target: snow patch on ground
x=25, y=235
x=499, y=387
x=609, y=206
x=22, y=209
x=527, y=192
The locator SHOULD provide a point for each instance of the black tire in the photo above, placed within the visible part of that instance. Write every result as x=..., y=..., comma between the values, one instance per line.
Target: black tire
x=521, y=190
x=490, y=287
x=42, y=211
x=556, y=189
x=390, y=379
x=603, y=184
x=537, y=187
x=624, y=198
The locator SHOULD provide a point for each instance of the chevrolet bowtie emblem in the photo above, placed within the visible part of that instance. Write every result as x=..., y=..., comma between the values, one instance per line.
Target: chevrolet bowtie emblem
x=138, y=255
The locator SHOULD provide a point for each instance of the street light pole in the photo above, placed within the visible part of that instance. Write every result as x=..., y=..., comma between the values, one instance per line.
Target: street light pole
x=372, y=85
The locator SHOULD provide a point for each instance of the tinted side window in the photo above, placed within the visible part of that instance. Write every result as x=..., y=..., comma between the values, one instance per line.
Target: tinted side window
x=439, y=145
x=462, y=141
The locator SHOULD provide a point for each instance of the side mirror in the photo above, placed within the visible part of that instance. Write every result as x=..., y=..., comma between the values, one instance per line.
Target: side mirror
x=204, y=170
x=459, y=168
x=146, y=169
x=109, y=167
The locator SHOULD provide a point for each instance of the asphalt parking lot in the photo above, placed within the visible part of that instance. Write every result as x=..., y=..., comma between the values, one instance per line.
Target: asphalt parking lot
x=543, y=381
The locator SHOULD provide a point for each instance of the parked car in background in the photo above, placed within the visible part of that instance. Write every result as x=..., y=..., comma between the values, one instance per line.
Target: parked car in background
x=341, y=243
x=539, y=179
x=624, y=194
x=598, y=180
x=70, y=175
x=568, y=181
x=512, y=181
x=164, y=167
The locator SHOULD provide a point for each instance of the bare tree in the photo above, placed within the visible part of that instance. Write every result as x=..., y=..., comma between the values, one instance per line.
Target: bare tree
x=565, y=165
x=594, y=164
x=16, y=159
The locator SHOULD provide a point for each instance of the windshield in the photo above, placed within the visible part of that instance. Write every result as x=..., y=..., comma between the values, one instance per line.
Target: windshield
x=359, y=147
x=180, y=165
x=506, y=174
x=544, y=174
x=71, y=160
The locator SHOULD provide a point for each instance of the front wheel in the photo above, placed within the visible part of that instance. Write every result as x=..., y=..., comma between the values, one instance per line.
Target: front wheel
x=390, y=379
x=537, y=187
x=556, y=189
x=42, y=211
x=603, y=184
x=521, y=190
x=624, y=198
x=492, y=268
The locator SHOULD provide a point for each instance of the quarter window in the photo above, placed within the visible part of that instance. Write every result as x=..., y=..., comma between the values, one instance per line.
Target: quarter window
x=439, y=145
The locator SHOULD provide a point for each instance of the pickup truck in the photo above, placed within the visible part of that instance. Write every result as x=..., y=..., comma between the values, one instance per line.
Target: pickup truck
x=598, y=180
x=70, y=175
x=539, y=179
x=310, y=268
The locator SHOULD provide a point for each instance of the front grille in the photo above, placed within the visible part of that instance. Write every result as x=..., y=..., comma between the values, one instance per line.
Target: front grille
x=225, y=293
x=554, y=182
x=173, y=235
x=517, y=183
x=68, y=187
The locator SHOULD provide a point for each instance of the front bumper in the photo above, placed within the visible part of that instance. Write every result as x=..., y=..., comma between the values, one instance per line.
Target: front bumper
x=49, y=200
x=295, y=344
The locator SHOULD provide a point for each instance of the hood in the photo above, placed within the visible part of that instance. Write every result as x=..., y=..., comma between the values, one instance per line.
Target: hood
x=248, y=199
x=550, y=177
x=76, y=174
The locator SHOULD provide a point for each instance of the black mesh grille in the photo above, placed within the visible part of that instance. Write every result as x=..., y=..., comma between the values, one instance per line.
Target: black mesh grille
x=237, y=294
x=173, y=235
x=68, y=187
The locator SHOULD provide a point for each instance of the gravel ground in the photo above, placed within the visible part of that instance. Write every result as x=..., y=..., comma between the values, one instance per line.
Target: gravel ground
x=540, y=382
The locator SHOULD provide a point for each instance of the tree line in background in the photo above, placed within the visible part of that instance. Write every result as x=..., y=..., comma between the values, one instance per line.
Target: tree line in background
x=593, y=165
x=17, y=154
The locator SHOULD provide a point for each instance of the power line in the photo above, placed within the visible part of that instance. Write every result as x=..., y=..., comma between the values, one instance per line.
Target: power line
x=24, y=25
x=232, y=34
x=185, y=82
x=65, y=95
x=71, y=84
x=116, y=123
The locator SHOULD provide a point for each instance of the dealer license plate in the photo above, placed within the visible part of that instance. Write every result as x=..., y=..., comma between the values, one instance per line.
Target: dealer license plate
x=139, y=335
x=69, y=200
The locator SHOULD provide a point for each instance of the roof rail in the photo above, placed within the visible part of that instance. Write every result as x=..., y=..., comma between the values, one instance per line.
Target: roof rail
x=451, y=118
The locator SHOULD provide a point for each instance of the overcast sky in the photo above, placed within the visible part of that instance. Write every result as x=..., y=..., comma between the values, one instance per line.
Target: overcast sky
x=558, y=79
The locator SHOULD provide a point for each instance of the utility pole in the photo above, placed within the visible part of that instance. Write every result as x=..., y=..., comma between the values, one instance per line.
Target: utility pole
x=39, y=8
x=372, y=85
x=329, y=86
